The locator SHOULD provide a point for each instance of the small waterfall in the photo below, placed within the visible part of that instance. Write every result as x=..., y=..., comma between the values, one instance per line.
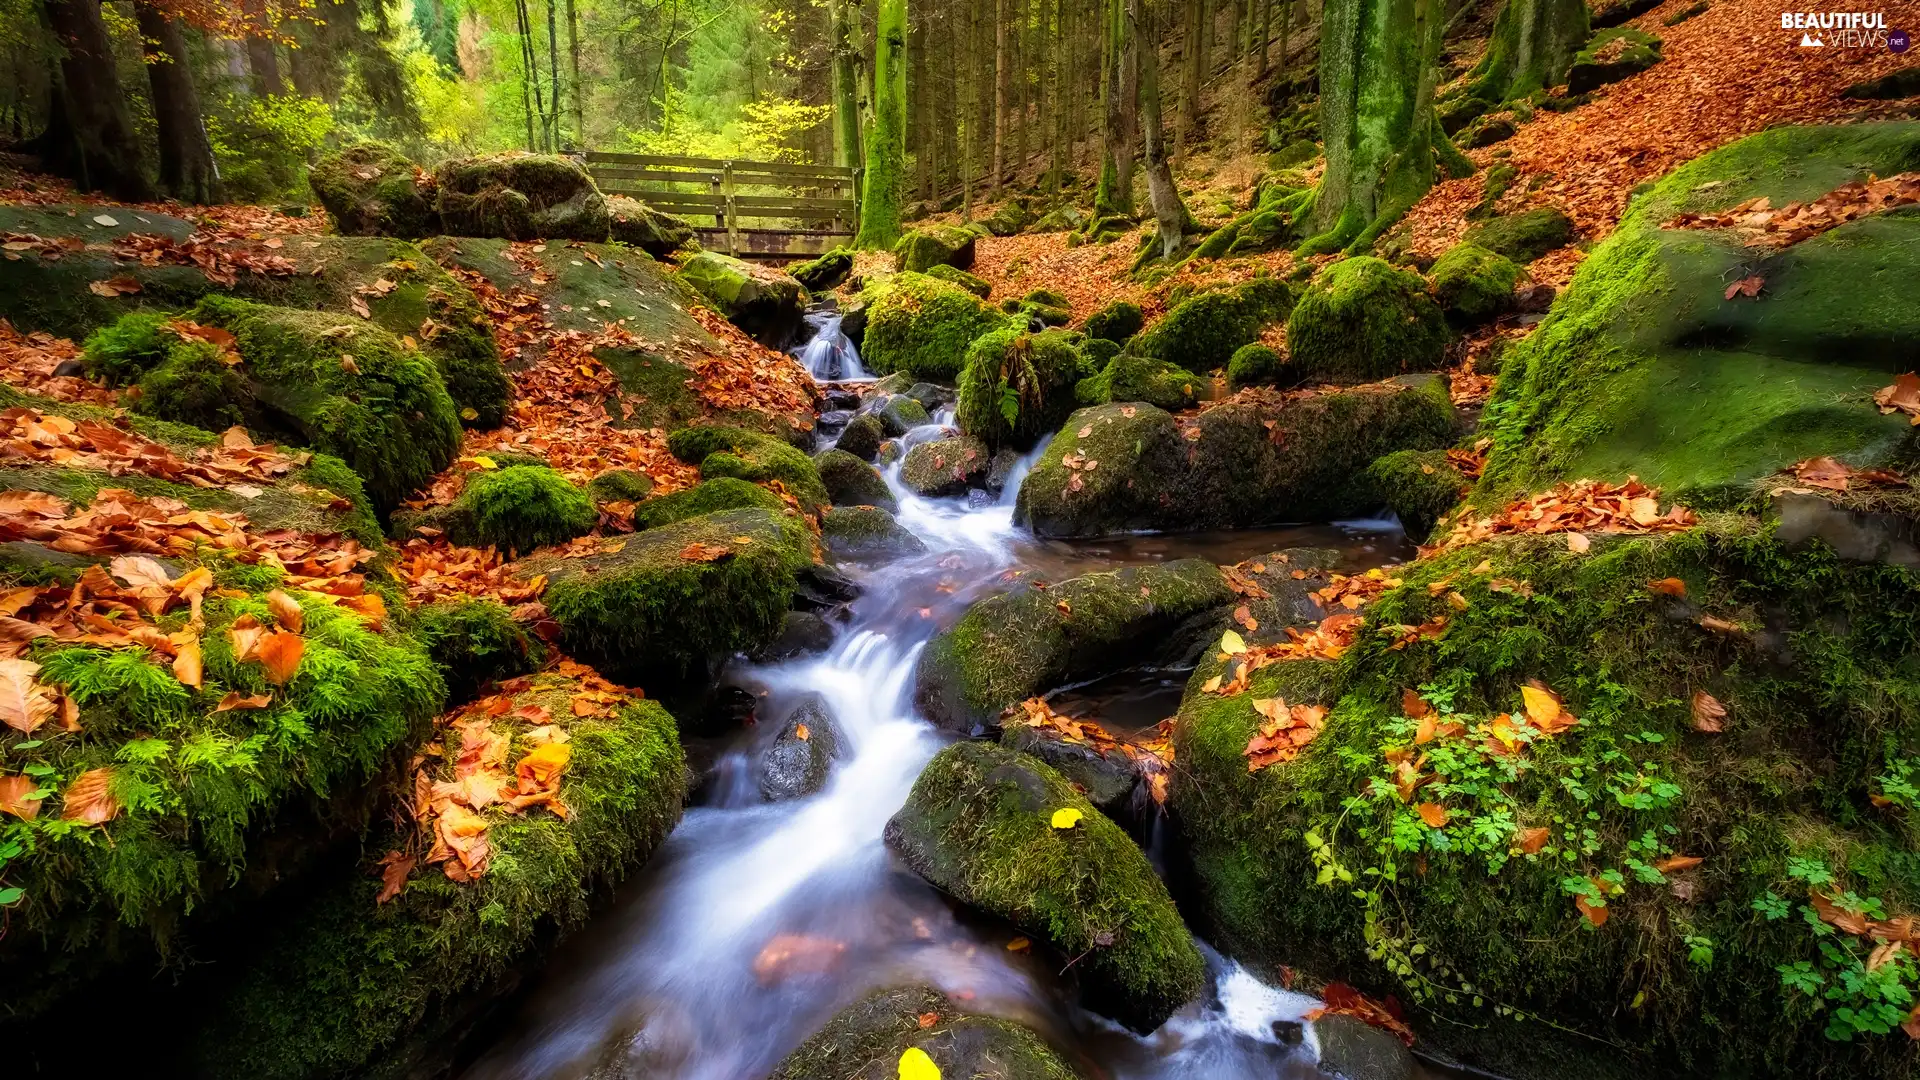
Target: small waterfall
x=829, y=355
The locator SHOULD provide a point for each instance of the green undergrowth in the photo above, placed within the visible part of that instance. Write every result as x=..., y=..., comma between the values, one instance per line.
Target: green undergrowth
x=1017, y=387
x=523, y=507
x=349, y=986
x=750, y=456
x=474, y=643
x=923, y=326
x=1717, y=969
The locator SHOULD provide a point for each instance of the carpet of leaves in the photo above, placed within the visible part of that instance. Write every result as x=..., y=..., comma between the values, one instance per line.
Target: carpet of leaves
x=1576, y=509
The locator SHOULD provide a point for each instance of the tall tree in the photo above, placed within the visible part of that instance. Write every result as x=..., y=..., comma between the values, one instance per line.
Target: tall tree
x=886, y=150
x=579, y=88
x=1120, y=84
x=1057, y=138
x=846, y=101
x=90, y=135
x=187, y=170
x=1532, y=48
x=1169, y=213
x=263, y=58
x=1002, y=83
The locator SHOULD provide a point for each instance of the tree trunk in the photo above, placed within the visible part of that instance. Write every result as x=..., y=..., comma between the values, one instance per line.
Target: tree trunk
x=263, y=60
x=1169, y=213
x=573, y=50
x=1531, y=48
x=1001, y=75
x=921, y=133
x=1115, y=192
x=887, y=149
x=90, y=137
x=950, y=110
x=1265, y=35
x=1062, y=53
x=187, y=170
x=1376, y=117
x=846, y=105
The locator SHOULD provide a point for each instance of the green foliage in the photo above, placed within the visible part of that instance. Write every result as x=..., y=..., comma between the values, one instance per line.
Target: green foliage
x=121, y=352
x=474, y=643
x=1017, y=387
x=523, y=507
x=923, y=326
x=262, y=145
x=749, y=456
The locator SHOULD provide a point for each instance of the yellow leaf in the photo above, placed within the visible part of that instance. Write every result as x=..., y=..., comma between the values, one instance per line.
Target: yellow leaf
x=1019, y=944
x=186, y=661
x=1232, y=643
x=1542, y=709
x=916, y=1065
x=1066, y=817
x=469, y=413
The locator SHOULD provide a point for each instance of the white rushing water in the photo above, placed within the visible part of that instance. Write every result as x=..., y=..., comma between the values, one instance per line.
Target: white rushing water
x=756, y=922
x=829, y=355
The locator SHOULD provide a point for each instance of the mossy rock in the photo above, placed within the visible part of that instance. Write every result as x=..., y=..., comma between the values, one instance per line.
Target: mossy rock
x=1007, y=219
x=474, y=643
x=310, y=378
x=1262, y=230
x=764, y=302
x=370, y=189
x=1059, y=219
x=978, y=825
x=866, y=1040
x=750, y=456
x=1813, y=729
x=523, y=507
x=1017, y=387
x=950, y=275
x=923, y=326
x=1117, y=320
x=866, y=532
x=1418, y=486
x=901, y=413
x=1904, y=83
x=706, y=497
x=1097, y=353
x=1472, y=284
x=655, y=232
x=946, y=467
x=862, y=436
x=1486, y=131
x=1140, y=378
x=1255, y=365
x=1365, y=319
x=1525, y=236
x=1646, y=367
x=517, y=196
x=1456, y=114
x=1611, y=55
x=648, y=607
x=1229, y=466
x=346, y=983
x=1106, y=776
x=1201, y=332
x=1030, y=640
x=620, y=485
x=852, y=482
x=826, y=272
x=931, y=245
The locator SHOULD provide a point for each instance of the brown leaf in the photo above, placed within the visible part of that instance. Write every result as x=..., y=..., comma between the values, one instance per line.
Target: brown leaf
x=700, y=551
x=1413, y=705
x=395, y=866
x=1595, y=914
x=1748, y=287
x=1671, y=586
x=1578, y=543
x=13, y=797
x=1676, y=863
x=1530, y=841
x=927, y=1020
x=186, y=661
x=246, y=633
x=287, y=610
x=138, y=570
x=236, y=700
x=1708, y=714
x=88, y=799
x=1433, y=814
x=24, y=703
x=280, y=654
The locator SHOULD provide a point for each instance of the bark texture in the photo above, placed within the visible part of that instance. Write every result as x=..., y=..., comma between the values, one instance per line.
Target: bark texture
x=886, y=150
x=90, y=138
x=187, y=171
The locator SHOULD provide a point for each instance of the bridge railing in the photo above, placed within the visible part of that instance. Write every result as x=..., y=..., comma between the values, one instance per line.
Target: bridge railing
x=764, y=209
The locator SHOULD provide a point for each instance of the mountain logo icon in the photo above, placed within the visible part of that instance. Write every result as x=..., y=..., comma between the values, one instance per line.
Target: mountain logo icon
x=1808, y=41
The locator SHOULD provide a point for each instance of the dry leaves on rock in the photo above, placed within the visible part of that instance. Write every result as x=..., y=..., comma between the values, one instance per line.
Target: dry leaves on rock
x=28, y=362
x=29, y=437
x=1832, y=474
x=1759, y=223
x=1339, y=999
x=1902, y=396
x=1581, y=507
x=1284, y=731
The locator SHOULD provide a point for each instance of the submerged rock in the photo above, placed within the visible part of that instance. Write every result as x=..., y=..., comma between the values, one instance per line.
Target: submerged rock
x=801, y=757
x=1352, y=1049
x=862, y=436
x=866, y=1041
x=980, y=826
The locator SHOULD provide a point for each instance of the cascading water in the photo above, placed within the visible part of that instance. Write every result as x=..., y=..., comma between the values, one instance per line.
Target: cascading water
x=757, y=921
x=829, y=355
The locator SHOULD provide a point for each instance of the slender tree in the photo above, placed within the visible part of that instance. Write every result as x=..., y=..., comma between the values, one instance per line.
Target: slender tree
x=846, y=104
x=1169, y=213
x=90, y=135
x=263, y=59
x=886, y=150
x=1120, y=92
x=1057, y=141
x=579, y=88
x=187, y=171
x=1002, y=76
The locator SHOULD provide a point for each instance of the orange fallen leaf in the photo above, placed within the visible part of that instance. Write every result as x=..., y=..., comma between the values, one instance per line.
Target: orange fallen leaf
x=186, y=661
x=1413, y=705
x=280, y=654
x=1433, y=814
x=24, y=703
x=1578, y=543
x=1708, y=714
x=1675, y=863
x=13, y=797
x=700, y=551
x=89, y=799
x=927, y=1020
x=542, y=765
x=395, y=866
x=1671, y=586
x=1530, y=841
x=1019, y=944
x=800, y=732
x=237, y=700
x=287, y=610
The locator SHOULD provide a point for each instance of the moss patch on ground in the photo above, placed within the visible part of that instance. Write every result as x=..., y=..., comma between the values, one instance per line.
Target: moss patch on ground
x=753, y=457
x=706, y=497
x=474, y=643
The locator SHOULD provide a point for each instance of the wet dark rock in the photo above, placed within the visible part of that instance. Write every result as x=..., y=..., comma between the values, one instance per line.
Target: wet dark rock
x=802, y=755
x=802, y=633
x=1000, y=470
x=866, y=532
x=819, y=588
x=1107, y=779
x=946, y=466
x=1858, y=535
x=852, y=482
x=833, y=419
x=901, y=414
x=1352, y=1049
x=843, y=399
x=862, y=437
x=1289, y=1032
x=865, y=1042
x=931, y=395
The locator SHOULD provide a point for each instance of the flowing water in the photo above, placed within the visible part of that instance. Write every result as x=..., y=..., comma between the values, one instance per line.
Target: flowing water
x=756, y=922
x=829, y=355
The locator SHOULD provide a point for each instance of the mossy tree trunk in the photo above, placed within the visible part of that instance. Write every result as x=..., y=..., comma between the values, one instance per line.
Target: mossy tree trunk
x=846, y=98
x=1169, y=213
x=1119, y=91
x=1376, y=118
x=186, y=157
x=90, y=137
x=886, y=149
x=1531, y=49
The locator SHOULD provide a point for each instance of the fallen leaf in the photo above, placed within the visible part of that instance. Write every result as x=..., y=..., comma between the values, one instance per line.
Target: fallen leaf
x=801, y=732
x=88, y=800
x=542, y=765
x=13, y=797
x=1065, y=818
x=24, y=703
x=1019, y=944
x=1232, y=643
x=1708, y=714
x=1748, y=287
x=700, y=551
x=1412, y=705
x=287, y=610
x=395, y=866
x=1542, y=707
x=928, y=1019
x=138, y=570
x=1433, y=814
x=186, y=661
x=1671, y=586
x=916, y=1065
x=1676, y=863
x=246, y=634
x=1578, y=543
x=280, y=654
x=237, y=700
x=1530, y=841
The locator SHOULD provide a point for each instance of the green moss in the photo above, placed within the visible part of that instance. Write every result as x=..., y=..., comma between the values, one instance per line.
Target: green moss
x=523, y=507
x=852, y=482
x=750, y=456
x=369, y=189
x=1020, y=643
x=646, y=609
x=347, y=984
x=763, y=302
x=1499, y=179
x=923, y=326
x=1017, y=387
x=655, y=232
x=474, y=643
x=195, y=386
x=620, y=485
x=1473, y=284
x=924, y=248
x=1612, y=55
x=825, y=272
x=978, y=826
x=1531, y=47
x=952, y=276
x=128, y=348
x=1117, y=321
x=865, y=532
x=946, y=467
x=1525, y=236
x=1364, y=319
x=520, y=196
x=866, y=1040
x=1138, y=378
x=1255, y=365
x=1201, y=333
x=706, y=497
x=1419, y=486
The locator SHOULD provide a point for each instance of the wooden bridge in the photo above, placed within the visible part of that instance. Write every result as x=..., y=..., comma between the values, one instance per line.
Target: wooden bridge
x=795, y=210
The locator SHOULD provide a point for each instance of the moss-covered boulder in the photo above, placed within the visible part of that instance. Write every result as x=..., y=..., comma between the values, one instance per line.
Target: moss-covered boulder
x=824, y=272
x=620, y=485
x=1104, y=773
x=1651, y=869
x=337, y=384
x=379, y=968
x=523, y=507
x=923, y=326
x=1008, y=218
x=1418, y=486
x=1201, y=332
x=517, y=196
x=900, y=413
x=1472, y=284
x=866, y=532
x=750, y=456
x=474, y=643
x=1904, y=83
x=706, y=497
x=946, y=466
x=1646, y=365
x=1525, y=236
x=953, y=276
x=664, y=601
x=1612, y=55
x=980, y=825
x=1255, y=365
x=932, y=245
x=1251, y=461
x=852, y=482
x=758, y=299
x=1365, y=319
x=1017, y=387
x=867, y=1039
x=1117, y=321
x=1127, y=377
x=655, y=232
x=369, y=189
x=1032, y=639
x=862, y=436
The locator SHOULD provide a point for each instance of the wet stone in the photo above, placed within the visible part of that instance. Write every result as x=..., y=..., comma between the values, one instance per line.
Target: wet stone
x=1352, y=1049
x=802, y=755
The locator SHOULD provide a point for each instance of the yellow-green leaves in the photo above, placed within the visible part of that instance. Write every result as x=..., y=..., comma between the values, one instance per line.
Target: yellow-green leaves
x=916, y=1065
x=1066, y=817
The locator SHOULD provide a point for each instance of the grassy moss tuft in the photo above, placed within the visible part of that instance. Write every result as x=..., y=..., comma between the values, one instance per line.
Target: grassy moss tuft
x=1017, y=387
x=923, y=326
x=523, y=507
x=474, y=643
x=750, y=456
x=1473, y=284
x=1365, y=319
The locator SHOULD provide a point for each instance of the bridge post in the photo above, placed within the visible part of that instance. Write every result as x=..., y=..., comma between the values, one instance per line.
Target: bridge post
x=733, y=216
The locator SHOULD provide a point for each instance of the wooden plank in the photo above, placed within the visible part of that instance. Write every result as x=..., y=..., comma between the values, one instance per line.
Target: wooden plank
x=777, y=243
x=747, y=205
x=779, y=168
x=751, y=176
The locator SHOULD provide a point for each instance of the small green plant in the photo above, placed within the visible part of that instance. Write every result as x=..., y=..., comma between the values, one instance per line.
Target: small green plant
x=264, y=145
